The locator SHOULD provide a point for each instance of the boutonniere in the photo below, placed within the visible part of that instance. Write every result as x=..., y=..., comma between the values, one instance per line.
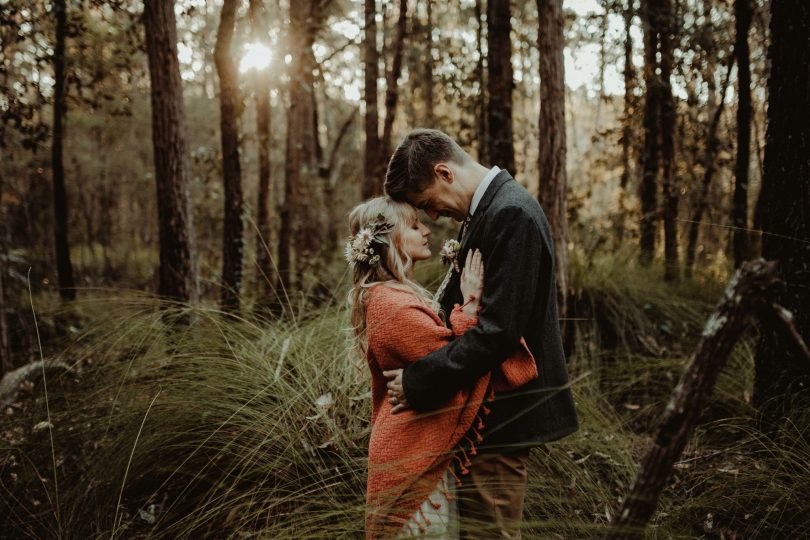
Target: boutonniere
x=449, y=254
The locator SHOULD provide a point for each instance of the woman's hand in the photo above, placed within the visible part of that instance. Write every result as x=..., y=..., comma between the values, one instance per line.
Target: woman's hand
x=472, y=282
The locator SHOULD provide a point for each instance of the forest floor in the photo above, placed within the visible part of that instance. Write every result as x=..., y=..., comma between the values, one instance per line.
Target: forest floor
x=250, y=427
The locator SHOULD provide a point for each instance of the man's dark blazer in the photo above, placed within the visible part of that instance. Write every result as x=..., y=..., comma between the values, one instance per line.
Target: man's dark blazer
x=519, y=299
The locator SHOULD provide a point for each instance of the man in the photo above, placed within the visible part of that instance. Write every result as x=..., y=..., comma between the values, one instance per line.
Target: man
x=430, y=171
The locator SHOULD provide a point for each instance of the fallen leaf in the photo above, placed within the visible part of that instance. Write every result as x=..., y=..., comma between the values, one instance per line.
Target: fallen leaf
x=42, y=425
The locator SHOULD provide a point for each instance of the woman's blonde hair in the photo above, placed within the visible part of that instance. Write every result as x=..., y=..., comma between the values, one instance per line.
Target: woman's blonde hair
x=394, y=265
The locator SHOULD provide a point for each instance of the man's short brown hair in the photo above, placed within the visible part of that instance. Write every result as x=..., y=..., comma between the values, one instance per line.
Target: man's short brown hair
x=411, y=167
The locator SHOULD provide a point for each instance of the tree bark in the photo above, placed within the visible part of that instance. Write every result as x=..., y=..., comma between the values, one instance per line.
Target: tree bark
x=177, y=266
x=780, y=369
x=499, y=83
x=5, y=356
x=264, y=204
x=742, y=19
x=667, y=25
x=392, y=90
x=712, y=141
x=229, y=102
x=553, y=180
x=481, y=97
x=303, y=202
x=326, y=173
x=627, y=120
x=67, y=286
x=649, y=161
x=752, y=284
x=427, y=80
x=371, y=60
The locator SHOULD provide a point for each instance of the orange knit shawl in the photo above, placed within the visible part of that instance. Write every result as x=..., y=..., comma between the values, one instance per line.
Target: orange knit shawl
x=409, y=452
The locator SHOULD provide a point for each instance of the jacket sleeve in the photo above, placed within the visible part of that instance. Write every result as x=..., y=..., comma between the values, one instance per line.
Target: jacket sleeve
x=512, y=252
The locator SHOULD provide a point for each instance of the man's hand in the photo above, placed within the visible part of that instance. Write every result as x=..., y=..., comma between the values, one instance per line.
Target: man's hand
x=396, y=395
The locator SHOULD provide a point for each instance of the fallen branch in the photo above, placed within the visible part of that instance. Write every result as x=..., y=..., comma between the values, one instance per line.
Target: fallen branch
x=12, y=381
x=749, y=288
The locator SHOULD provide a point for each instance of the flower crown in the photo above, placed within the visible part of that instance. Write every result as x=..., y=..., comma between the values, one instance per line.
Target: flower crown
x=360, y=247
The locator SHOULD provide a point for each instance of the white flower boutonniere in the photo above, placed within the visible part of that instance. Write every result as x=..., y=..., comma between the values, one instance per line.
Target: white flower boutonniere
x=449, y=253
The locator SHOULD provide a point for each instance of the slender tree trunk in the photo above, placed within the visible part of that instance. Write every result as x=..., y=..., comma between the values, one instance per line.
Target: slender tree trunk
x=229, y=102
x=553, y=180
x=304, y=202
x=263, y=121
x=629, y=110
x=742, y=17
x=327, y=174
x=668, y=112
x=712, y=142
x=392, y=89
x=428, y=71
x=603, y=28
x=5, y=356
x=177, y=267
x=67, y=286
x=499, y=60
x=780, y=368
x=649, y=164
x=481, y=97
x=371, y=60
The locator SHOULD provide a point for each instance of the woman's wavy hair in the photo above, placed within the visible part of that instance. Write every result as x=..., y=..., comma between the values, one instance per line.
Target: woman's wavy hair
x=394, y=266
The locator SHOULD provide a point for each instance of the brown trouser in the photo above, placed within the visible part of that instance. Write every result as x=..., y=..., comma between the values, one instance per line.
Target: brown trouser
x=491, y=494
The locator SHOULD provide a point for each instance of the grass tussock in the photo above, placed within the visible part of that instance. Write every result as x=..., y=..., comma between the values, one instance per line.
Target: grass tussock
x=246, y=427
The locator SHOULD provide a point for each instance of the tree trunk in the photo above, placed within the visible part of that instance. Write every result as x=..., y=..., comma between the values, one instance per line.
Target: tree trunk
x=629, y=110
x=670, y=189
x=780, y=368
x=392, y=89
x=371, y=60
x=481, y=101
x=499, y=59
x=649, y=161
x=327, y=174
x=229, y=102
x=553, y=180
x=742, y=17
x=67, y=286
x=428, y=71
x=753, y=284
x=177, y=260
x=712, y=142
x=5, y=356
x=304, y=202
x=264, y=205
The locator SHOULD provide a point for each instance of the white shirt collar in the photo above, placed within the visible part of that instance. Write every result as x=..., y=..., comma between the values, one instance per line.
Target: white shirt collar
x=482, y=188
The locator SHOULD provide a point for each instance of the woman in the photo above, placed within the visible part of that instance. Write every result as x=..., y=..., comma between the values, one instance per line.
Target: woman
x=410, y=487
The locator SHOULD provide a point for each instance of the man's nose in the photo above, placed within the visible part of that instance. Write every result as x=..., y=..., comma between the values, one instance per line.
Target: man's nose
x=432, y=214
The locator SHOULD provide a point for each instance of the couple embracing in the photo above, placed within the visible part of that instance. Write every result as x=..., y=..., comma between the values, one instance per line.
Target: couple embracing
x=466, y=382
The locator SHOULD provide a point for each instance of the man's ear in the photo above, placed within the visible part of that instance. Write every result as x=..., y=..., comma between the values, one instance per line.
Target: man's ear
x=444, y=172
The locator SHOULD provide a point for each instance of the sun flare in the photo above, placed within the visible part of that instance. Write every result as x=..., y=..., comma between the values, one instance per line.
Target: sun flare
x=257, y=56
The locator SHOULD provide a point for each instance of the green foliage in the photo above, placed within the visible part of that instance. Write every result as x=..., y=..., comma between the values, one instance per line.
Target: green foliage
x=188, y=422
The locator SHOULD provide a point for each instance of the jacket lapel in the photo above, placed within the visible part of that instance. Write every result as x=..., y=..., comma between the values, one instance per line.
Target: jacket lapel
x=500, y=179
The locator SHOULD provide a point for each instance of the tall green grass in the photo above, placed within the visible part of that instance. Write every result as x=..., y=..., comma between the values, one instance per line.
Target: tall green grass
x=233, y=427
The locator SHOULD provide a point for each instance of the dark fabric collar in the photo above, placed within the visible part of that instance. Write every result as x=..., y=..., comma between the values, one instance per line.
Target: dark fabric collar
x=489, y=195
x=500, y=179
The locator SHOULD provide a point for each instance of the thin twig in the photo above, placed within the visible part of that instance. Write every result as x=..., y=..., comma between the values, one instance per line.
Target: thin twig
x=787, y=317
